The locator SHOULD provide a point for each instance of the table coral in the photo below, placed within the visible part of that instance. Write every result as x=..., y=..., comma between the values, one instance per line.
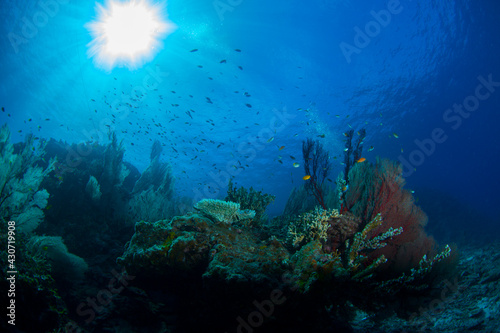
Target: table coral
x=224, y=211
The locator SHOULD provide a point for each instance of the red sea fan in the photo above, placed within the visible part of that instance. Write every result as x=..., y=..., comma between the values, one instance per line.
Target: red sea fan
x=378, y=189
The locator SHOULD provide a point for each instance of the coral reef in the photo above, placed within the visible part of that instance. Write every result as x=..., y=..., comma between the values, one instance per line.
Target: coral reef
x=378, y=189
x=223, y=211
x=330, y=260
x=193, y=243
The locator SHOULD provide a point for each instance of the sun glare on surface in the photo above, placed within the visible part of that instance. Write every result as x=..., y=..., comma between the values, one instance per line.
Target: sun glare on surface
x=127, y=33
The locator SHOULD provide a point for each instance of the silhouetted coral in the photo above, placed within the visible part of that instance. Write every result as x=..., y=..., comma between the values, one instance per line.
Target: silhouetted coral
x=316, y=165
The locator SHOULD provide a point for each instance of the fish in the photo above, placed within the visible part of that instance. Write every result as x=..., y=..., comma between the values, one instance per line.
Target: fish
x=223, y=61
x=282, y=147
x=395, y=135
x=346, y=149
x=345, y=188
x=306, y=177
x=322, y=135
x=371, y=148
x=248, y=105
x=209, y=100
x=361, y=160
x=296, y=165
x=292, y=157
x=237, y=50
x=270, y=139
x=193, y=50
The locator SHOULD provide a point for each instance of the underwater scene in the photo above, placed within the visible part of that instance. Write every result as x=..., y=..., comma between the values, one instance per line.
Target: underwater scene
x=249, y=166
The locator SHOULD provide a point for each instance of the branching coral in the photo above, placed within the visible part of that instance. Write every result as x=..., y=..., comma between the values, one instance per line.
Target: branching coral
x=362, y=242
x=348, y=261
x=311, y=226
x=224, y=211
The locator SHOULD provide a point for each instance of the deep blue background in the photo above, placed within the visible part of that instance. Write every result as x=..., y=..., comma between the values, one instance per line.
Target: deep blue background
x=427, y=58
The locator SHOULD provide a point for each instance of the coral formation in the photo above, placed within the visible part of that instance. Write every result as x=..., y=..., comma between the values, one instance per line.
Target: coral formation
x=316, y=165
x=21, y=198
x=332, y=257
x=193, y=243
x=311, y=226
x=249, y=199
x=378, y=189
x=65, y=267
x=224, y=211
x=351, y=156
x=93, y=189
x=152, y=197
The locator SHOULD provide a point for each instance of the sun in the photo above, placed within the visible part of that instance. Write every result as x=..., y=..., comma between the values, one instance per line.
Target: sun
x=127, y=33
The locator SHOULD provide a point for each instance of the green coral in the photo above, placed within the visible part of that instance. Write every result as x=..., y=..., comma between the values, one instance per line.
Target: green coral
x=250, y=199
x=224, y=211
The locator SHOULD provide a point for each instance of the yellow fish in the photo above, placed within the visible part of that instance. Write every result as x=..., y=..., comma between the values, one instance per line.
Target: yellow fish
x=306, y=177
x=296, y=165
x=362, y=159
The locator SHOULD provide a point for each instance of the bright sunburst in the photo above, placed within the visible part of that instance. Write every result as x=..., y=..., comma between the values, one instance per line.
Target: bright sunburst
x=127, y=33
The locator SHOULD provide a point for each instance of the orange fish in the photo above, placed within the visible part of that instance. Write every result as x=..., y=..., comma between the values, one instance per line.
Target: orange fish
x=306, y=177
x=362, y=159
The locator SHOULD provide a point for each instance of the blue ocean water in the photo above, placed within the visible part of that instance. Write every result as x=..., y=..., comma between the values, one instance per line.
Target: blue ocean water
x=304, y=70
x=231, y=91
